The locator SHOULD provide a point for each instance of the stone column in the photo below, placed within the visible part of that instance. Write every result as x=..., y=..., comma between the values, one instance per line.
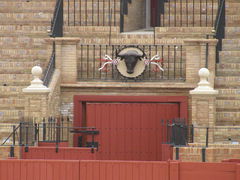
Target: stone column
x=203, y=108
x=66, y=58
x=36, y=97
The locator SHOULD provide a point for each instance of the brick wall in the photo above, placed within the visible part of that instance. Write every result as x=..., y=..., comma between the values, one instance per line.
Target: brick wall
x=214, y=153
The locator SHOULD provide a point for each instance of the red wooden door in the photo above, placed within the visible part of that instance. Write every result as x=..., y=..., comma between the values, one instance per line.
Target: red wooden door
x=129, y=131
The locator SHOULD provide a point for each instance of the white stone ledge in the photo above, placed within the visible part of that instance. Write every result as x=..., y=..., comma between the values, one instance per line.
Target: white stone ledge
x=143, y=85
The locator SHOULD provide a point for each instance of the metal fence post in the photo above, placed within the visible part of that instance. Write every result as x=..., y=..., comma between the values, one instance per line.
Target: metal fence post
x=177, y=153
x=11, y=151
x=20, y=134
x=207, y=136
x=14, y=137
x=26, y=145
x=44, y=130
x=203, y=154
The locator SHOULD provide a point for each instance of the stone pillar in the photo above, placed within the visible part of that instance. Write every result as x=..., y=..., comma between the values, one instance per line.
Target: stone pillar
x=196, y=58
x=66, y=58
x=203, y=108
x=36, y=97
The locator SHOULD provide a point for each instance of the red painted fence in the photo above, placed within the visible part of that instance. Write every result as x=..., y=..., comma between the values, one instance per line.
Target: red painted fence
x=76, y=153
x=116, y=170
x=64, y=153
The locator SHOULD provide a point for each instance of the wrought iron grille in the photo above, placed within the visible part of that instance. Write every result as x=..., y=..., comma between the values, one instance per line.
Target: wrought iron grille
x=50, y=68
x=185, y=13
x=92, y=12
x=173, y=61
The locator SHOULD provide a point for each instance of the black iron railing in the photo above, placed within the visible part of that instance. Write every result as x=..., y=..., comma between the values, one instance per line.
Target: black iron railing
x=50, y=68
x=92, y=12
x=176, y=132
x=11, y=139
x=52, y=130
x=188, y=13
x=172, y=58
x=219, y=27
x=57, y=21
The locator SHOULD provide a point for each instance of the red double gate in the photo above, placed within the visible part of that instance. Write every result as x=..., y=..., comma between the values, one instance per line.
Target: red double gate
x=130, y=127
x=130, y=131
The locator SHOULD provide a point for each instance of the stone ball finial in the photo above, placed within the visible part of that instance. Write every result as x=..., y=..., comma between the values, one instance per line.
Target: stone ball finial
x=36, y=84
x=36, y=71
x=204, y=87
x=204, y=73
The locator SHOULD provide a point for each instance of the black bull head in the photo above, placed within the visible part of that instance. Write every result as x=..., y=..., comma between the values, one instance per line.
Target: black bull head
x=131, y=58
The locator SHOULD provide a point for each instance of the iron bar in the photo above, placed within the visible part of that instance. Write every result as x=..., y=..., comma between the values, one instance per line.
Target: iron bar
x=92, y=12
x=86, y=13
x=200, y=11
x=187, y=11
x=207, y=132
x=80, y=12
x=21, y=134
x=68, y=9
x=11, y=154
x=207, y=53
x=177, y=153
x=26, y=135
x=74, y=12
x=203, y=154
x=193, y=9
x=14, y=133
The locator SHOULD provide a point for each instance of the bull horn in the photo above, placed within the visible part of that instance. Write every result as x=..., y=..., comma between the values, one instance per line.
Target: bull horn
x=131, y=51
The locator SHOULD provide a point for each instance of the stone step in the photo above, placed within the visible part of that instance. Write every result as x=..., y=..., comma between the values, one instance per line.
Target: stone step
x=228, y=67
x=230, y=56
x=15, y=79
x=11, y=116
x=11, y=103
x=11, y=91
x=232, y=20
x=23, y=53
x=229, y=93
x=226, y=134
x=227, y=71
x=22, y=42
x=232, y=32
x=26, y=18
x=18, y=67
x=227, y=81
x=232, y=8
x=228, y=118
x=227, y=105
x=24, y=30
x=231, y=44
x=24, y=6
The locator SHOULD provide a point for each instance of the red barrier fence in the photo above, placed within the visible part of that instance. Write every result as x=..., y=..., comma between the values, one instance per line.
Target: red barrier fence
x=75, y=153
x=116, y=170
x=64, y=153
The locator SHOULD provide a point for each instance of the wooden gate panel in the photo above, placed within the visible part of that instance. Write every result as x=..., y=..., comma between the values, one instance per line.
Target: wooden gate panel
x=129, y=131
x=10, y=170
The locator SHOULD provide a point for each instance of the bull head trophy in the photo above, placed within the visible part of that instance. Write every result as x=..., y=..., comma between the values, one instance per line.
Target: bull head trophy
x=131, y=62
